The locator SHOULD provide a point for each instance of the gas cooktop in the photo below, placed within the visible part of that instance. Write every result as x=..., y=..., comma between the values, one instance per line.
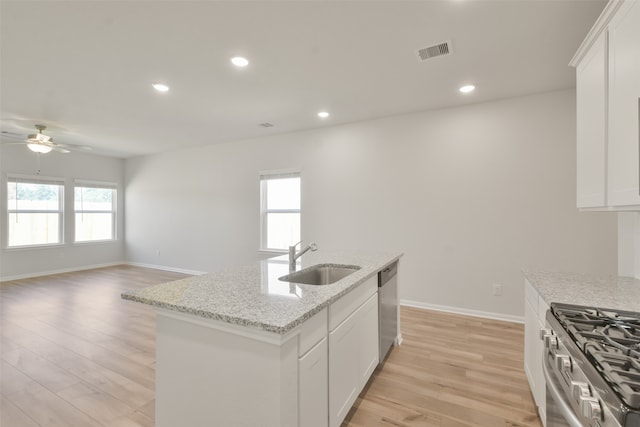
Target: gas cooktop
x=611, y=341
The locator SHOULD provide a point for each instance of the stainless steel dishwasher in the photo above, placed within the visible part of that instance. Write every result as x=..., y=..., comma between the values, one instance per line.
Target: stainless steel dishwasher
x=387, y=308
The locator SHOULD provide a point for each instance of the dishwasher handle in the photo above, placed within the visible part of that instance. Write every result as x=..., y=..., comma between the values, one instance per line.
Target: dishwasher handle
x=387, y=273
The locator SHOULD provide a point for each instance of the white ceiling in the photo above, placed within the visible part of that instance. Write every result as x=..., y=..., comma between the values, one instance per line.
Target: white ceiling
x=85, y=68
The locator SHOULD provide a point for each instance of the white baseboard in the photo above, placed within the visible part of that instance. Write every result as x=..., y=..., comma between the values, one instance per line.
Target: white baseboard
x=64, y=270
x=165, y=268
x=464, y=311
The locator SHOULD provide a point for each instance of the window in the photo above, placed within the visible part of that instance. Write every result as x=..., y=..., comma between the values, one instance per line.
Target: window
x=280, y=210
x=34, y=208
x=94, y=206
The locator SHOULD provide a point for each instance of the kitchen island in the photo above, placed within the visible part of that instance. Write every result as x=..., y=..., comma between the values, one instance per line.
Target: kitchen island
x=242, y=348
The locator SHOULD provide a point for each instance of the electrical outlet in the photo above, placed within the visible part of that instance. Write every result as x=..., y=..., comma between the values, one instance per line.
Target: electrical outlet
x=497, y=290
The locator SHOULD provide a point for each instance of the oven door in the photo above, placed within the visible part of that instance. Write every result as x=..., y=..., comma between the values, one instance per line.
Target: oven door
x=559, y=411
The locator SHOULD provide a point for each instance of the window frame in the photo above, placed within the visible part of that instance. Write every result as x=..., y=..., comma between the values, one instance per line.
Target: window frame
x=43, y=180
x=265, y=176
x=77, y=183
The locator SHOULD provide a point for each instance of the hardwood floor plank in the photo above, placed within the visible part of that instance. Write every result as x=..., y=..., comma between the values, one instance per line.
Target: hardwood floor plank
x=12, y=416
x=12, y=380
x=102, y=406
x=40, y=369
x=48, y=409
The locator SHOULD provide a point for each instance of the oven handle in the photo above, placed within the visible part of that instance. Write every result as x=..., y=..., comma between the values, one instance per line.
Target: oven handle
x=557, y=395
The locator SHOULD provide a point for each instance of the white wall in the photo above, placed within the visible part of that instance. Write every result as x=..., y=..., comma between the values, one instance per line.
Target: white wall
x=24, y=262
x=629, y=244
x=472, y=195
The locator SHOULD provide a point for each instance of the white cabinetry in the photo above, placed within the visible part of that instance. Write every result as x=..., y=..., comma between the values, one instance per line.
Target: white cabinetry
x=310, y=377
x=313, y=391
x=534, y=321
x=313, y=371
x=353, y=348
x=608, y=103
x=624, y=105
x=591, y=114
x=370, y=349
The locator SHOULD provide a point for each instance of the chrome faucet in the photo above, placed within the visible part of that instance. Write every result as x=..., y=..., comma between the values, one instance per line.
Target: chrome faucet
x=293, y=256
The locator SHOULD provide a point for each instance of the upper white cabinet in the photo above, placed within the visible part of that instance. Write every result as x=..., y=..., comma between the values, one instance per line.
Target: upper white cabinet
x=608, y=110
x=591, y=116
x=624, y=105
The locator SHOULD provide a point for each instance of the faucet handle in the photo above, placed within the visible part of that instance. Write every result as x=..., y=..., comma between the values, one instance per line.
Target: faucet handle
x=293, y=246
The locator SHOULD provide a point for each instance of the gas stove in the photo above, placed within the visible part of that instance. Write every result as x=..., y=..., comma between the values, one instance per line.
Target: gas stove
x=594, y=354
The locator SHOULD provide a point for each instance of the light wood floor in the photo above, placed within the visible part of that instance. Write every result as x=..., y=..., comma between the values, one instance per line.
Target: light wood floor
x=72, y=353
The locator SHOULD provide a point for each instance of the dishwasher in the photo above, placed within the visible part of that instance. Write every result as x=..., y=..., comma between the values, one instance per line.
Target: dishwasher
x=387, y=308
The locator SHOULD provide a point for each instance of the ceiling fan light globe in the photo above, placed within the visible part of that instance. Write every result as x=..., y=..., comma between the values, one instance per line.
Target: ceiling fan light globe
x=39, y=148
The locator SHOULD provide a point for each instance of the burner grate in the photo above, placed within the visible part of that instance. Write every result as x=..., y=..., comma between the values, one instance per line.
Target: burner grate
x=611, y=341
x=622, y=372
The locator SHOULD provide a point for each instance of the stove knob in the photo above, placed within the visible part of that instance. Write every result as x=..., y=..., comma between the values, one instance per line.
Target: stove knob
x=563, y=362
x=551, y=342
x=591, y=408
x=580, y=390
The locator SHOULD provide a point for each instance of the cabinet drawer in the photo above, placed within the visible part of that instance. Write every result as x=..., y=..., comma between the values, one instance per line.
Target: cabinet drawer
x=341, y=309
x=312, y=331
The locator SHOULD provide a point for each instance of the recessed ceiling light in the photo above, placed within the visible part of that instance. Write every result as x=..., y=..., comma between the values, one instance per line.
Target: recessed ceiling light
x=239, y=61
x=161, y=87
x=467, y=88
x=323, y=114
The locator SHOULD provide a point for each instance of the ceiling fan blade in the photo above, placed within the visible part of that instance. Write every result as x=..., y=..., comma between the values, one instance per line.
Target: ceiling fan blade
x=72, y=147
x=12, y=135
x=61, y=150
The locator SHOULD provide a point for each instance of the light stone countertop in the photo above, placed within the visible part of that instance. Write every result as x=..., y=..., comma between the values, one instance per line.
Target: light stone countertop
x=621, y=293
x=253, y=296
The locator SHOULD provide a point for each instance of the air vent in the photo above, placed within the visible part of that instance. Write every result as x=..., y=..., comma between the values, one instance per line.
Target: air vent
x=266, y=125
x=442, y=49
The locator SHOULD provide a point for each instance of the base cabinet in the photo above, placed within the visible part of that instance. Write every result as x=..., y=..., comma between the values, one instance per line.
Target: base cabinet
x=534, y=321
x=313, y=393
x=343, y=369
x=369, y=341
x=210, y=370
x=353, y=356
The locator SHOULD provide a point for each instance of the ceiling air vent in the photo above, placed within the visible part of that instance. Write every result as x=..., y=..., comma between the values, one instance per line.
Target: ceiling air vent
x=266, y=125
x=441, y=49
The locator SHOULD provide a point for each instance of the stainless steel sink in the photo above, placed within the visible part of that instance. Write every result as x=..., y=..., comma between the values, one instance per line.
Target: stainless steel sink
x=321, y=274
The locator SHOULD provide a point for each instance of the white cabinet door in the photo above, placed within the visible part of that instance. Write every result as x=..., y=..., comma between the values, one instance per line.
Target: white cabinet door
x=343, y=369
x=369, y=343
x=313, y=393
x=541, y=383
x=624, y=106
x=534, y=321
x=591, y=130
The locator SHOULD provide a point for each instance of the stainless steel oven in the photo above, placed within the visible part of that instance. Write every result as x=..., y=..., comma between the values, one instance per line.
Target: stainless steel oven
x=591, y=365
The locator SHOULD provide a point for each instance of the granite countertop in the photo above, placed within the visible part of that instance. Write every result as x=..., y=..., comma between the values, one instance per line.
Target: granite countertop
x=253, y=296
x=621, y=293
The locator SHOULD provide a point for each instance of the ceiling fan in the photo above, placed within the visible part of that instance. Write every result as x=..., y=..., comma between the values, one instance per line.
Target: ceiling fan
x=41, y=143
